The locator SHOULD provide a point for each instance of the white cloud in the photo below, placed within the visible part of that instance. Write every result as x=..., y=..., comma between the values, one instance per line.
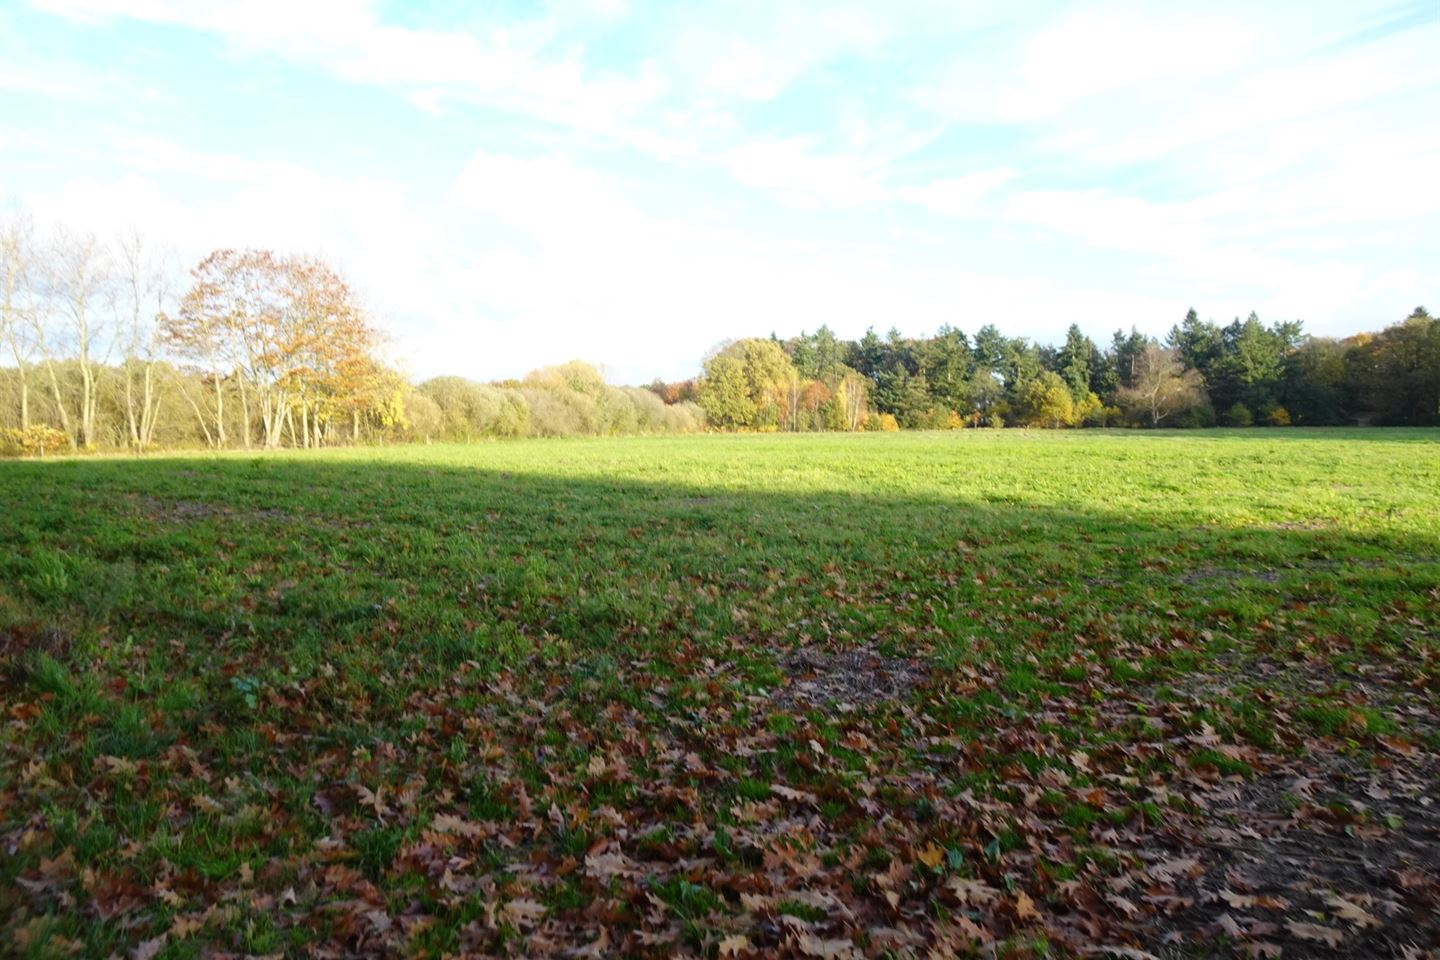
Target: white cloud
x=508, y=68
x=749, y=167
x=800, y=177
x=958, y=196
x=779, y=44
x=1095, y=51
x=636, y=289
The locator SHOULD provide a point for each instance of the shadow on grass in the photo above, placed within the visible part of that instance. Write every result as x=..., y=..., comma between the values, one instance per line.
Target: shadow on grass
x=293, y=546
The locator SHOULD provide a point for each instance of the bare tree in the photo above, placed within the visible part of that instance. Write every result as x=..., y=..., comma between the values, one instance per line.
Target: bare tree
x=17, y=303
x=1162, y=387
x=77, y=293
x=852, y=389
x=144, y=291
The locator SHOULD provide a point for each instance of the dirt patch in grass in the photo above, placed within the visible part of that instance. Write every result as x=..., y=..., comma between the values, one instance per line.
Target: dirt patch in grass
x=192, y=511
x=854, y=678
x=18, y=641
x=1333, y=853
x=1328, y=859
x=19, y=648
x=1213, y=574
x=1216, y=574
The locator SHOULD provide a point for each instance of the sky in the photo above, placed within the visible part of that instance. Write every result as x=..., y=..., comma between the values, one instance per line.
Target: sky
x=516, y=184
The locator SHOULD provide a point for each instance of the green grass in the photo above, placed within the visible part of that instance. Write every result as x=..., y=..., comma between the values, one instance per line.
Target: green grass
x=240, y=692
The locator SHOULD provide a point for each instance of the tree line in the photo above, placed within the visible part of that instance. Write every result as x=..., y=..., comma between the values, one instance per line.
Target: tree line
x=1201, y=374
x=108, y=345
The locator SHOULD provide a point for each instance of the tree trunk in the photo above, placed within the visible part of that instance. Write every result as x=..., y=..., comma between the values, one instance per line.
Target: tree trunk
x=132, y=421
x=60, y=402
x=150, y=412
x=199, y=417
x=87, y=383
x=244, y=410
x=219, y=411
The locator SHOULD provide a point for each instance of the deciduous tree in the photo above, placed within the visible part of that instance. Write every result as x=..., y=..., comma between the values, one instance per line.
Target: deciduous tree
x=1162, y=387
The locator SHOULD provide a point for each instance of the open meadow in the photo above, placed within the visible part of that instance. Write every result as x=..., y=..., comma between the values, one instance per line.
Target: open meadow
x=1174, y=693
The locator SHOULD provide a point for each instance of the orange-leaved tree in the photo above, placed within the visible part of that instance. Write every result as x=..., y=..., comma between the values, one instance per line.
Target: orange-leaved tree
x=288, y=330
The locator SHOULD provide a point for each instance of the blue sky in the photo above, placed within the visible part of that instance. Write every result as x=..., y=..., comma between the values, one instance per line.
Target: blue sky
x=517, y=184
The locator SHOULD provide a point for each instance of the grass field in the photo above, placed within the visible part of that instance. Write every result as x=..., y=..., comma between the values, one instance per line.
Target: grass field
x=1030, y=693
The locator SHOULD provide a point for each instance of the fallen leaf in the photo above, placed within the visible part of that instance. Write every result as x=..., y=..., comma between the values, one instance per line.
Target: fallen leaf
x=932, y=854
x=607, y=866
x=734, y=945
x=813, y=946
x=789, y=793
x=1345, y=910
x=1239, y=901
x=149, y=948
x=450, y=823
x=1314, y=931
x=975, y=892
x=524, y=912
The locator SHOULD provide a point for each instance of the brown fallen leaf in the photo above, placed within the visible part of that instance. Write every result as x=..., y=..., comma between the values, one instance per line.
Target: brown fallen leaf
x=185, y=924
x=149, y=948
x=1126, y=953
x=813, y=946
x=450, y=823
x=1399, y=745
x=607, y=866
x=789, y=793
x=1238, y=901
x=1345, y=910
x=1316, y=932
x=1128, y=908
x=524, y=912
x=975, y=892
x=734, y=945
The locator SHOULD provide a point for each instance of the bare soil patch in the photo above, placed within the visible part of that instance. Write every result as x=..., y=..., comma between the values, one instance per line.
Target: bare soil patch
x=855, y=677
x=17, y=641
x=1329, y=861
x=191, y=511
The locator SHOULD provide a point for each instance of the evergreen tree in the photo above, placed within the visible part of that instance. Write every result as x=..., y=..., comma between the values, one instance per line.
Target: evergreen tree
x=1073, y=362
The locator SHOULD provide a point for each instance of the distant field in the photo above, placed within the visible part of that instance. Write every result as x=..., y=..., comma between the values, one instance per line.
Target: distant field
x=811, y=695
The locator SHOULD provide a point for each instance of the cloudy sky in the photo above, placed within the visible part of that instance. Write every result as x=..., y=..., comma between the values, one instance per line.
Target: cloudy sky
x=516, y=184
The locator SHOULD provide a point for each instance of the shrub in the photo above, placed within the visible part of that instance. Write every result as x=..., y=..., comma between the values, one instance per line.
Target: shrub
x=473, y=410
x=576, y=376
x=1045, y=402
x=33, y=441
x=653, y=415
x=1198, y=416
x=1279, y=417
x=1239, y=416
x=1100, y=415
x=561, y=413
x=423, y=417
x=937, y=418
